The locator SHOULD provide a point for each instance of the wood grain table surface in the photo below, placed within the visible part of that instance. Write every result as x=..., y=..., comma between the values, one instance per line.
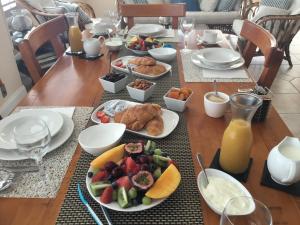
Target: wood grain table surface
x=74, y=82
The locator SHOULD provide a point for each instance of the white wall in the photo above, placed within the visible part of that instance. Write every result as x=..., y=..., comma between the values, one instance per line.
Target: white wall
x=8, y=70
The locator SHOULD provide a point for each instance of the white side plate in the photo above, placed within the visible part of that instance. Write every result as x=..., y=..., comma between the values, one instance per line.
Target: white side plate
x=196, y=60
x=63, y=135
x=54, y=122
x=170, y=119
x=146, y=29
x=125, y=60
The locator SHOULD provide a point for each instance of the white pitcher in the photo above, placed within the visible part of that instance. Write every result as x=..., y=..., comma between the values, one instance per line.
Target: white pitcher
x=284, y=161
x=92, y=47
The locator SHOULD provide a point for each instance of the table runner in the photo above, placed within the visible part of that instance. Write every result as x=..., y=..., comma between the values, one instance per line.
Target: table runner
x=182, y=207
x=56, y=164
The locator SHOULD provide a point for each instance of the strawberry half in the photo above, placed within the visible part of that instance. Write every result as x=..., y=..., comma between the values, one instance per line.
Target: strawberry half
x=106, y=196
x=100, y=176
x=124, y=182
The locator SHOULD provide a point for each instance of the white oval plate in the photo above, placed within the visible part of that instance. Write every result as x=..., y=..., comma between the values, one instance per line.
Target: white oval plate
x=169, y=117
x=218, y=55
x=218, y=173
x=197, y=61
x=54, y=121
x=125, y=60
x=59, y=139
x=146, y=29
x=115, y=206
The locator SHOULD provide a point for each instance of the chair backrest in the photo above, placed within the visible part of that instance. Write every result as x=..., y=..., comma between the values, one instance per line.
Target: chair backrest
x=47, y=32
x=153, y=10
x=258, y=37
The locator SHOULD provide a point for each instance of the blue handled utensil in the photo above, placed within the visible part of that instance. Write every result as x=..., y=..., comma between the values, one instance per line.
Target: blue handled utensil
x=84, y=201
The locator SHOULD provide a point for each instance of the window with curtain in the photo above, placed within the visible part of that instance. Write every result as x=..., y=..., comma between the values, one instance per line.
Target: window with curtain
x=8, y=4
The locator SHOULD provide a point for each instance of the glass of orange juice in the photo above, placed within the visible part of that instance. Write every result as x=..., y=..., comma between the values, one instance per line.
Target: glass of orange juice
x=237, y=139
x=75, y=37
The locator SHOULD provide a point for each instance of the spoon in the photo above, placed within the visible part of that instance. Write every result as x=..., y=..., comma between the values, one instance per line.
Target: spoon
x=216, y=88
x=6, y=178
x=199, y=158
x=109, y=66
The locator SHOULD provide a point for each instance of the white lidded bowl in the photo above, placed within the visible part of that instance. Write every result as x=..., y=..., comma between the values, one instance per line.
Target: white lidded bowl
x=101, y=137
x=113, y=87
x=163, y=54
x=201, y=181
x=176, y=104
x=138, y=94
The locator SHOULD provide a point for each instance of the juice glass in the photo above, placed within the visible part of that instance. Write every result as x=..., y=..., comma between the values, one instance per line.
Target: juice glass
x=237, y=139
x=75, y=37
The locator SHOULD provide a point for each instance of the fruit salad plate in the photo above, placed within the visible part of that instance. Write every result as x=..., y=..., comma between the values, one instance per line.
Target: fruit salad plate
x=169, y=117
x=132, y=177
x=115, y=206
x=121, y=64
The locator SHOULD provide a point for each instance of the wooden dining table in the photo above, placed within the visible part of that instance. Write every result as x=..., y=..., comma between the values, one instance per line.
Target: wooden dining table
x=72, y=81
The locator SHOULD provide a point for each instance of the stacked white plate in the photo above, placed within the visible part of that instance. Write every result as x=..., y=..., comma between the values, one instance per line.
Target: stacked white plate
x=217, y=58
x=60, y=126
x=146, y=30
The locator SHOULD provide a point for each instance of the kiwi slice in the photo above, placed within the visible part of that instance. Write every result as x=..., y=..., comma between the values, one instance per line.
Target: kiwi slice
x=122, y=197
x=161, y=160
x=97, y=188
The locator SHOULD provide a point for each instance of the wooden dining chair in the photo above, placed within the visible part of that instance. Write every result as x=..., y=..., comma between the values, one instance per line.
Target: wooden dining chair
x=152, y=10
x=49, y=32
x=258, y=37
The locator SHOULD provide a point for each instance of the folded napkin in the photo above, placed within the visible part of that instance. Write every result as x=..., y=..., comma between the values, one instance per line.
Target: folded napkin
x=68, y=111
x=225, y=74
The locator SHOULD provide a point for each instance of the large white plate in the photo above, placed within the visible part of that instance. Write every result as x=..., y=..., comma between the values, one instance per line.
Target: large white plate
x=218, y=55
x=170, y=119
x=116, y=207
x=59, y=139
x=197, y=61
x=146, y=29
x=54, y=121
x=218, y=173
x=125, y=60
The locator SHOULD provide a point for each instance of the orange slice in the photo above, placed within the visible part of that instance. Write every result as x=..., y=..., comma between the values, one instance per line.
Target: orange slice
x=115, y=154
x=166, y=184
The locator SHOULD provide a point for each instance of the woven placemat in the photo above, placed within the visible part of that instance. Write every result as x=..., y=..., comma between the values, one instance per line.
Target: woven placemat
x=182, y=207
x=55, y=165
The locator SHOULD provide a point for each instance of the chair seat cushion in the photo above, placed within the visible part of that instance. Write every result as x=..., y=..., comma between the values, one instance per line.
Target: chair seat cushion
x=267, y=11
x=237, y=26
x=214, y=17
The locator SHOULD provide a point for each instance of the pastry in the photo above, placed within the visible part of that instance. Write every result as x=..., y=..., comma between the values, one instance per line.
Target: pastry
x=146, y=61
x=150, y=70
x=155, y=126
x=137, y=117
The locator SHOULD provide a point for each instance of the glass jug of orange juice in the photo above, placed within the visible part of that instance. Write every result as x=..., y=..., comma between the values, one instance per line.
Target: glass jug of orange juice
x=237, y=138
x=75, y=38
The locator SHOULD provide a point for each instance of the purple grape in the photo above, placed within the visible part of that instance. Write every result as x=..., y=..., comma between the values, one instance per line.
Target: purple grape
x=109, y=166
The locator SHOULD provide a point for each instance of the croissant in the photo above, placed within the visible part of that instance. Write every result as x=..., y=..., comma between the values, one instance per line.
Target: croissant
x=137, y=117
x=155, y=126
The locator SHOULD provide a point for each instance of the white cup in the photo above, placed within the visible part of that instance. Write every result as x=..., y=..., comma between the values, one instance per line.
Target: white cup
x=214, y=108
x=101, y=27
x=91, y=47
x=210, y=36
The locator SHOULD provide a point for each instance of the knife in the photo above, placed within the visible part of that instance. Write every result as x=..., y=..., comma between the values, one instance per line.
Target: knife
x=84, y=201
